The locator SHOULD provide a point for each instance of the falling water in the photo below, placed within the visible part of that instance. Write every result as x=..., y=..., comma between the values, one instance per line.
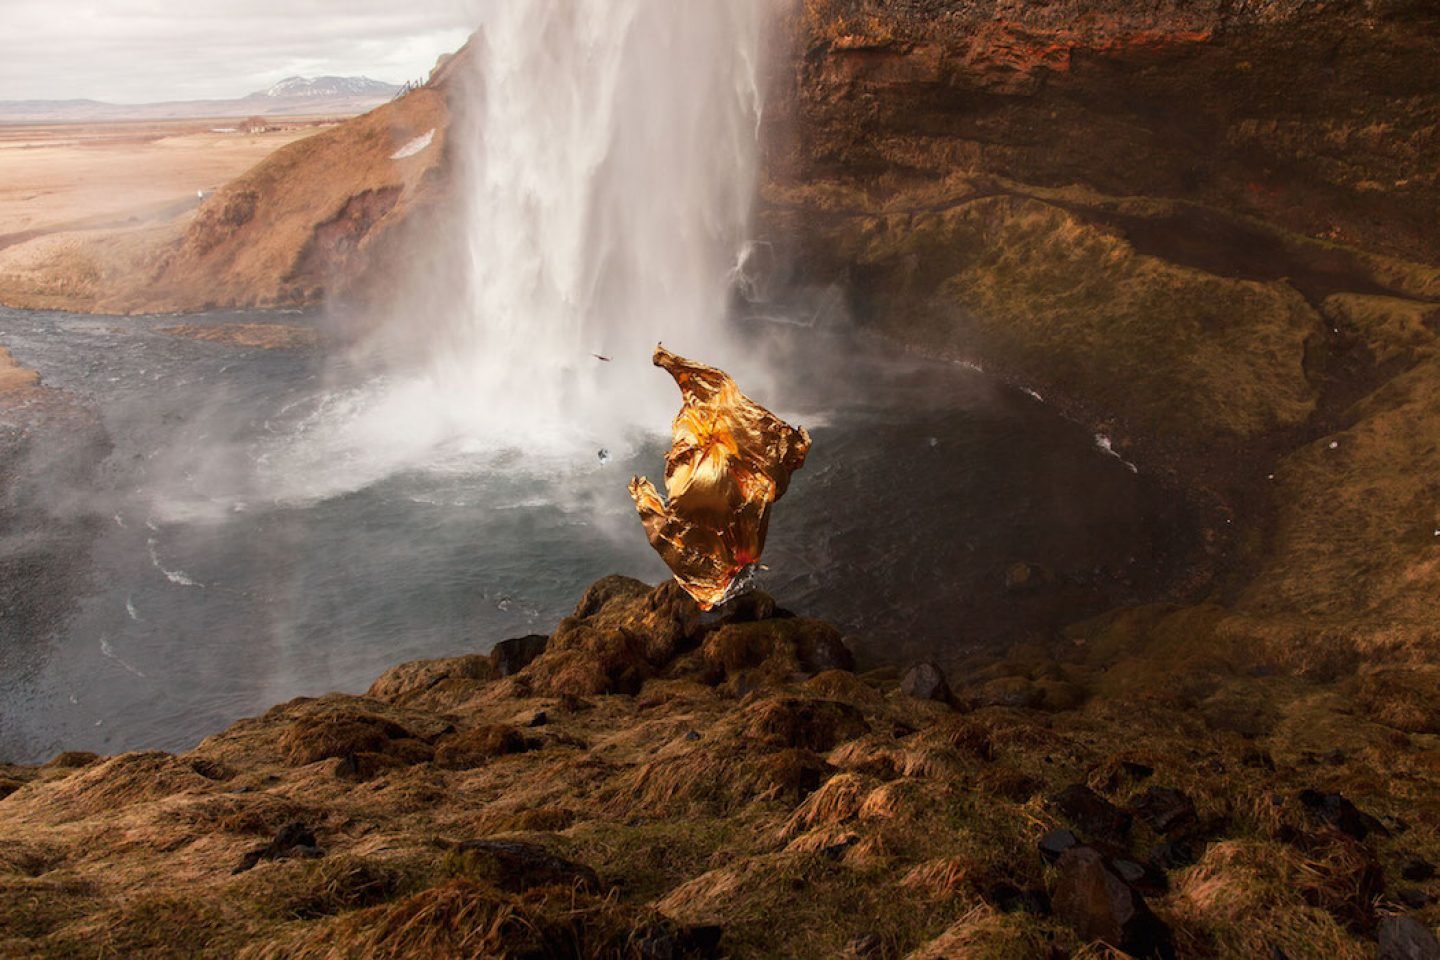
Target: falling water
x=606, y=162
x=610, y=164
x=607, y=170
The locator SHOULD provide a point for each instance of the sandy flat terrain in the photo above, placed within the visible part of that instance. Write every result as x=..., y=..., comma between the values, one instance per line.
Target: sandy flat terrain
x=79, y=177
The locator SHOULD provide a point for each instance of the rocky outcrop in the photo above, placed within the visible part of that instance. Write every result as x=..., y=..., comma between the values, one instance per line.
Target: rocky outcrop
x=1204, y=229
x=691, y=815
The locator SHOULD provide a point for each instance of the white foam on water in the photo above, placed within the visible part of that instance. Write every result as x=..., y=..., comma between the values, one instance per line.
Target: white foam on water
x=177, y=577
x=109, y=652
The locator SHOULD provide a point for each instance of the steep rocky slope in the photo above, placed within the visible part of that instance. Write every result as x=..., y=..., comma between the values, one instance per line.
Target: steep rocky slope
x=1207, y=229
x=655, y=785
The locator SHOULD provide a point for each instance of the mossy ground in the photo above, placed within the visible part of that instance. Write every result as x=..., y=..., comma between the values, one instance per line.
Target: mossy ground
x=878, y=825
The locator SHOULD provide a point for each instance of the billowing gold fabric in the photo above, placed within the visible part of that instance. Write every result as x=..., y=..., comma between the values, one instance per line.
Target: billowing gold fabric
x=729, y=461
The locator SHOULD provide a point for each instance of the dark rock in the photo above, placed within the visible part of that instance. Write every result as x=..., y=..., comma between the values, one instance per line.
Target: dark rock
x=925, y=681
x=1055, y=843
x=1414, y=898
x=511, y=656
x=692, y=735
x=1340, y=813
x=294, y=840
x=1165, y=809
x=517, y=866
x=539, y=720
x=1140, y=771
x=1102, y=906
x=1405, y=938
x=1091, y=813
x=1417, y=870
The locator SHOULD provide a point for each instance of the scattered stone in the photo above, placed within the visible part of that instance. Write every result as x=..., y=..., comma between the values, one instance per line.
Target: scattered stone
x=517, y=866
x=1405, y=938
x=1417, y=870
x=1165, y=809
x=293, y=841
x=1102, y=906
x=925, y=681
x=1055, y=843
x=1340, y=813
x=511, y=656
x=1092, y=813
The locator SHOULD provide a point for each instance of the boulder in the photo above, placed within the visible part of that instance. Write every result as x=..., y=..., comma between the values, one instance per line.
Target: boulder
x=925, y=681
x=1101, y=906
x=1336, y=811
x=511, y=656
x=1054, y=844
x=1405, y=938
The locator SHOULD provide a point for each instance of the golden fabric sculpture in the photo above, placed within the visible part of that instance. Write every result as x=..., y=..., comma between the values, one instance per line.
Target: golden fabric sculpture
x=729, y=461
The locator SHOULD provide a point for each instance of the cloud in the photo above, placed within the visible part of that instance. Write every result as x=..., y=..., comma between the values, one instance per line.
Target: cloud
x=134, y=51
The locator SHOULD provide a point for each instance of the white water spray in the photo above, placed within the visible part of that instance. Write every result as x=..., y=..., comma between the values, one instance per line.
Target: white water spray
x=607, y=166
x=610, y=165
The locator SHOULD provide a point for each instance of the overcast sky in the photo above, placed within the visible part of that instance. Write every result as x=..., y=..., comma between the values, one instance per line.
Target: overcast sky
x=138, y=51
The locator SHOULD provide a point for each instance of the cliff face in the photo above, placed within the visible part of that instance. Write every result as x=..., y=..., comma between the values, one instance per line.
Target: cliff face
x=1207, y=229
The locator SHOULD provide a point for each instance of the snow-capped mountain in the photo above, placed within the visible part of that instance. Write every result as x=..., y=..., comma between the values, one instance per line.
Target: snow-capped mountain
x=330, y=87
x=293, y=96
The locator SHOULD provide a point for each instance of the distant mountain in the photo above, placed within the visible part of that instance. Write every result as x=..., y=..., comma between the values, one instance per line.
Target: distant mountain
x=293, y=96
x=330, y=87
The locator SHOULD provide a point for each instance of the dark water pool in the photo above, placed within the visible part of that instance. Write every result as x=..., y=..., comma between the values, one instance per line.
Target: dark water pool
x=193, y=553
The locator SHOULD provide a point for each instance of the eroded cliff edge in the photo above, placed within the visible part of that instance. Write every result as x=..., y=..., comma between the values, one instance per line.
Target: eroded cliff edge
x=1208, y=230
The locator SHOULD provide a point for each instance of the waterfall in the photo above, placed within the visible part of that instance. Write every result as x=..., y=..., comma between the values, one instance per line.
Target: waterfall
x=608, y=169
